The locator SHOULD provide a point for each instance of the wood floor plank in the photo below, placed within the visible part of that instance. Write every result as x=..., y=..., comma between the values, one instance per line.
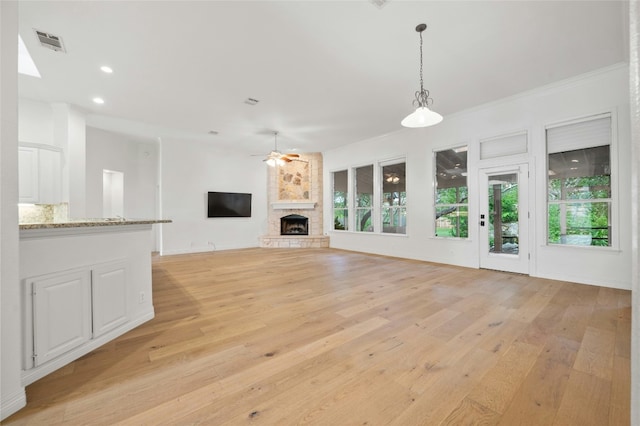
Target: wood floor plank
x=595, y=356
x=585, y=401
x=620, y=405
x=332, y=337
x=471, y=413
x=538, y=398
x=497, y=388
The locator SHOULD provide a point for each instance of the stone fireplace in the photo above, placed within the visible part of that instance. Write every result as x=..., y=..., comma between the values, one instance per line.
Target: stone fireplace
x=295, y=204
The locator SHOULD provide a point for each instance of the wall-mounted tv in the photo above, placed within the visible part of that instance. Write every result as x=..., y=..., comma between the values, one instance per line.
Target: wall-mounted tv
x=228, y=204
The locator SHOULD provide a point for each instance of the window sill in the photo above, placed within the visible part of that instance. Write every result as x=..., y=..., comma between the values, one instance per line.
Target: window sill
x=587, y=248
x=340, y=231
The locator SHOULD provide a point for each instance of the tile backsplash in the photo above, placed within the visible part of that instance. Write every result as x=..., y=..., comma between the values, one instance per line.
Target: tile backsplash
x=43, y=213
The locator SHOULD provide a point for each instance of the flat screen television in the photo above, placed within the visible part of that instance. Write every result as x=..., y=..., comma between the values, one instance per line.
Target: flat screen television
x=228, y=204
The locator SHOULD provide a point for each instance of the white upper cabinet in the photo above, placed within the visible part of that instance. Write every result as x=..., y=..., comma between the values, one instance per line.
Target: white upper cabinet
x=28, y=175
x=40, y=174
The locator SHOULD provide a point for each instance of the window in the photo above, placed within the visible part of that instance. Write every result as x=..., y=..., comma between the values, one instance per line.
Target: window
x=364, y=198
x=579, y=183
x=340, y=197
x=452, y=211
x=394, y=199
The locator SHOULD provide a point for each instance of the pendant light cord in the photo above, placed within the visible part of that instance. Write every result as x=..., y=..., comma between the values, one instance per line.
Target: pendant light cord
x=421, y=81
x=422, y=96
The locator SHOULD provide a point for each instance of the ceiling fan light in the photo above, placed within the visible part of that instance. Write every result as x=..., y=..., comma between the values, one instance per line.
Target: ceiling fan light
x=271, y=162
x=421, y=117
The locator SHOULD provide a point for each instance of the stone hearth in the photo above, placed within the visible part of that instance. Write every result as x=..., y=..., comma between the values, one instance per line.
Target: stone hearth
x=296, y=189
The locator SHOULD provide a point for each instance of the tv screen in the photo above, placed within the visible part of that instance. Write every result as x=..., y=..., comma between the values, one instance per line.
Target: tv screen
x=229, y=204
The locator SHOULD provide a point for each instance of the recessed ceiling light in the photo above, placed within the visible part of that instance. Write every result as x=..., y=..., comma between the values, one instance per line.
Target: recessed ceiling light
x=98, y=101
x=106, y=69
x=575, y=161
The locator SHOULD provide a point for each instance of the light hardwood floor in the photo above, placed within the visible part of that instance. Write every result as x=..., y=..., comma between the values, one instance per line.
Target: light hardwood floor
x=328, y=337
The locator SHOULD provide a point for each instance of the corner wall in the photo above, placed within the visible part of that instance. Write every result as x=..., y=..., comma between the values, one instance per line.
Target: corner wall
x=12, y=393
x=634, y=81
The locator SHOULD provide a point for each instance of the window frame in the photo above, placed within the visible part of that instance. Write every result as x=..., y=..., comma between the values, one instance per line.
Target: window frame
x=347, y=206
x=436, y=205
x=371, y=207
x=380, y=206
x=614, y=200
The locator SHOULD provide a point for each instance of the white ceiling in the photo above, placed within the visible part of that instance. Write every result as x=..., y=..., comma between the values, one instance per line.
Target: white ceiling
x=326, y=73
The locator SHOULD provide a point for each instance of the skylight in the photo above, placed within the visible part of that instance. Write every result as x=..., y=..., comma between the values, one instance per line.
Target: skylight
x=26, y=65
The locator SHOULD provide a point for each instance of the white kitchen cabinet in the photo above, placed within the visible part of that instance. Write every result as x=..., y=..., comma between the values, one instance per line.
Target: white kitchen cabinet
x=109, y=297
x=71, y=309
x=28, y=175
x=61, y=314
x=115, y=260
x=49, y=176
x=39, y=174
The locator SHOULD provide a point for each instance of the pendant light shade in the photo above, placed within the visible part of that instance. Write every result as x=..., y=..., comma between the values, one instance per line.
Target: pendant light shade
x=422, y=116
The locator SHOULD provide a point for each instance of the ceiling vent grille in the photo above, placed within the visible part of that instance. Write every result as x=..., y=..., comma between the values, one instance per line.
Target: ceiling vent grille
x=251, y=101
x=379, y=3
x=50, y=41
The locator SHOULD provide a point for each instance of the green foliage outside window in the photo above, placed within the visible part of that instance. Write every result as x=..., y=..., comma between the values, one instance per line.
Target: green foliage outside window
x=452, y=219
x=586, y=222
x=341, y=214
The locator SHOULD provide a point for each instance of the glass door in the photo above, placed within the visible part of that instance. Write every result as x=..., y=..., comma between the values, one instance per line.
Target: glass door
x=504, y=219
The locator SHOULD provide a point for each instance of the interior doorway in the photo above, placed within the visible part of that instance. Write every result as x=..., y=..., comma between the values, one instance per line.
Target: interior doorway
x=112, y=194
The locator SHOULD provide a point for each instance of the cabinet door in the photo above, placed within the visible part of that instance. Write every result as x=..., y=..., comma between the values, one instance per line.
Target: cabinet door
x=61, y=314
x=109, y=295
x=49, y=176
x=28, y=175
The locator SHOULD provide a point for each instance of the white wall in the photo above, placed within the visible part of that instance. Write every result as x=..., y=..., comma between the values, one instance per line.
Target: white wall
x=188, y=171
x=136, y=159
x=12, y=394
x=601, y=91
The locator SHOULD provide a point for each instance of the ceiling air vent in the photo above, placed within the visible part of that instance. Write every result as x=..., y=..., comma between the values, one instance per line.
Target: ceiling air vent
x=379, y=3
x=251, y=101
x=50, y=41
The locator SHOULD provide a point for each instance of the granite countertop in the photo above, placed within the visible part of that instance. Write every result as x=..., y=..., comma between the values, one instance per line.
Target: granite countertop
x=85, y=223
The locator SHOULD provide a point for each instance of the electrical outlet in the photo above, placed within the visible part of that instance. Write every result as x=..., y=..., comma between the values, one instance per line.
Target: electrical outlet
x=141, y=299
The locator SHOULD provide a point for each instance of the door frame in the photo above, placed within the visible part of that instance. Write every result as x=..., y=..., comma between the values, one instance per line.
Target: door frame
x=519, y=263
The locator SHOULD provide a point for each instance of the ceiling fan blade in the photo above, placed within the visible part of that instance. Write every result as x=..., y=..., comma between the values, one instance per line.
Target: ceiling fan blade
x=291, y=155
x=286, y=159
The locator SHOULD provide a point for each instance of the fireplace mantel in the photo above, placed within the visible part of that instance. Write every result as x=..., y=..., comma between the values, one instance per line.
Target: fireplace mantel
x=293, y=205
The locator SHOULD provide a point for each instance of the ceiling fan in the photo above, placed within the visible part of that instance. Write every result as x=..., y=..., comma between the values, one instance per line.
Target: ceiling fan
x=275, y=157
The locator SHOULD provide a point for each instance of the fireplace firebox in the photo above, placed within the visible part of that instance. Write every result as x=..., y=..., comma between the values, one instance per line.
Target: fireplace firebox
x=294, y=224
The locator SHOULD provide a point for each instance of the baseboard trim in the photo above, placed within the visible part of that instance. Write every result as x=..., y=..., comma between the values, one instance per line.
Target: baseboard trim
x=13, y=404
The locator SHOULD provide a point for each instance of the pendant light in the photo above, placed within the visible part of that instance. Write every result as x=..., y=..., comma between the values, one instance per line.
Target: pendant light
x=422, y=116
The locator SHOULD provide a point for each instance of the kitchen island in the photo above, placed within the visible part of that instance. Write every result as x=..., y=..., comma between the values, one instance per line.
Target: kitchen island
x=84, y=282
